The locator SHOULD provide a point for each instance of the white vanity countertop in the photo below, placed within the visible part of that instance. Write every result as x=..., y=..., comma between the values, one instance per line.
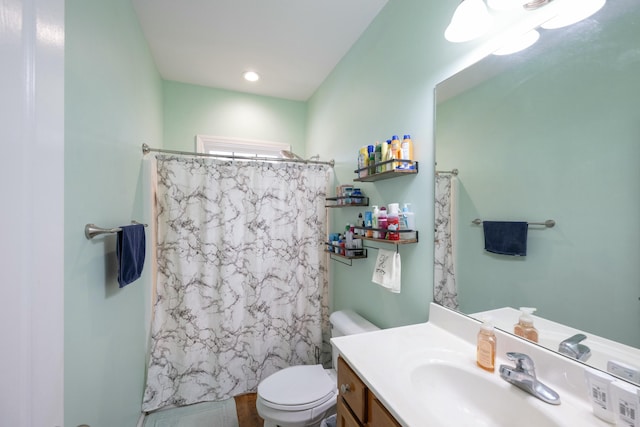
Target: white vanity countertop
x=386, y=361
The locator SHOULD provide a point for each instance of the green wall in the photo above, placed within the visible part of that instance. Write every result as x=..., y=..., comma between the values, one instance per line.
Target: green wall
x=191, y=110
x=557, y=139
x=113, y=103
x=384, y=86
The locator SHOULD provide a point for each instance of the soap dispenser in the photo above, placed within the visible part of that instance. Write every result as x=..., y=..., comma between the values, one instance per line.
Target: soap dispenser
x=486, y=351
x=524, y=328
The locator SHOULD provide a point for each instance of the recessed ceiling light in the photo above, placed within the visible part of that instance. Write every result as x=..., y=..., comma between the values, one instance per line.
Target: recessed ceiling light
x=251, y=76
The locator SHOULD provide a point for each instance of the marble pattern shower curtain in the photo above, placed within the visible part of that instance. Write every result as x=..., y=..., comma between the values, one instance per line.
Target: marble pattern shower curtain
x=445, y=290
x=242, y=289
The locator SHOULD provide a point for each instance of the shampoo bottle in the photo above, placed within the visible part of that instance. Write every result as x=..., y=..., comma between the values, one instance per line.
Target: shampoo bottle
x=524, y=328
x=486, y=351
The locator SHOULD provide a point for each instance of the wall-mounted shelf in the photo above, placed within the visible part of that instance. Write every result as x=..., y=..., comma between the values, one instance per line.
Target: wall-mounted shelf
x=362, y=254
x=364, y=201
x=387, y=174
x=401, y=241
x=363, y=251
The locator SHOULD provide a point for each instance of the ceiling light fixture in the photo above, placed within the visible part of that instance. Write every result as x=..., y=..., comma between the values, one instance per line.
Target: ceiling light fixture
x=504, y=4
x=251, y=76
x=573, y=11
x=521, y=43
x=470, y=20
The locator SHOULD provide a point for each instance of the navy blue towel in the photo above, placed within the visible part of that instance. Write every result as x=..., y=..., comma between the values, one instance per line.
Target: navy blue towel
x=130, y=250
x=505, y=237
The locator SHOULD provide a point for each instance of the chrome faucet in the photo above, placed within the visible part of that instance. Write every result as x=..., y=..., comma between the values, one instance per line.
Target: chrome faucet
x=523, y=376
x=572, y=348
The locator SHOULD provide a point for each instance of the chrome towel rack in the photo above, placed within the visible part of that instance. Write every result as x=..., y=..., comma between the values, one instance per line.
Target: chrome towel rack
x=548, y=223
x=92, y=230
x=453, y=172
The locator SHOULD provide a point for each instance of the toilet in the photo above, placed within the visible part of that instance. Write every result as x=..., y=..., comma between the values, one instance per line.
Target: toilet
x=302, y=396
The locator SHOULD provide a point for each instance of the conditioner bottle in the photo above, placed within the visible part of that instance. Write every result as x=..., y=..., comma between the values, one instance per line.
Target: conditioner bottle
x=486, y=352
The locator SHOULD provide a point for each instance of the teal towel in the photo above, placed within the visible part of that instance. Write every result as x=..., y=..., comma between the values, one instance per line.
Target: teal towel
x=130, y=251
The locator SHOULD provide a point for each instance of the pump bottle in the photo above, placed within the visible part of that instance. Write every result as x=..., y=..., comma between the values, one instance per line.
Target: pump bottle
x=486, y=351
x=524, y=328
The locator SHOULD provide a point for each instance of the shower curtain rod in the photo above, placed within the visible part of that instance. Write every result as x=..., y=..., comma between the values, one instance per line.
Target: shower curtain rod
x=146, y=150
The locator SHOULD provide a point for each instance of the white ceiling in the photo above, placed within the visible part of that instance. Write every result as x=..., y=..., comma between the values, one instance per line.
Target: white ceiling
x=292, y=44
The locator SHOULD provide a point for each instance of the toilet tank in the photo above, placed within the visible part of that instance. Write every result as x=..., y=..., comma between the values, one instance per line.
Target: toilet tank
x=347, y=322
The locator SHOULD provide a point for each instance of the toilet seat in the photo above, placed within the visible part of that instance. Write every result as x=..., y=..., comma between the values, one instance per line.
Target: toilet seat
x=297, y=388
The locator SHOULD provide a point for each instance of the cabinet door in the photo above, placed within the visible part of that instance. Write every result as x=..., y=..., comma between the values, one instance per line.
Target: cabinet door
x=344, y=416
x=352, y=390
x=378, y=414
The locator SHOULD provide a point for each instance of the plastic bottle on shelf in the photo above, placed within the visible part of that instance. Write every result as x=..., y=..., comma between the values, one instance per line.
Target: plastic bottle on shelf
x=378, y=156
x=374, y=221
x=371, y=151
x=389, y=166
x=363, y=160
x=368, y=222
x=407, y=152
x=384, y=153
x=393, y=221
x=408, y=221
x=396, y=151
x=348, y=233
x=382, y=223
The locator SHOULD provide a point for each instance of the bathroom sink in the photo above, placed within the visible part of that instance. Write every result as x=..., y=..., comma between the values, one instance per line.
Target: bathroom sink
x=426, y=375
x=459, y=394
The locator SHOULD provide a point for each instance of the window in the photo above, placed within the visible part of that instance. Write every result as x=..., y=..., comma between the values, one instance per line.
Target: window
x=242, y=147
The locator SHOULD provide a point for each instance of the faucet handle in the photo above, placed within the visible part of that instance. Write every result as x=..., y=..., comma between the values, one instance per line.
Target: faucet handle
x=523, y=363
x=575, y=339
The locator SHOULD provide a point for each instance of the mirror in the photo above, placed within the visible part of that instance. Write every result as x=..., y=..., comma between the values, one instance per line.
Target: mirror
x=552, y=132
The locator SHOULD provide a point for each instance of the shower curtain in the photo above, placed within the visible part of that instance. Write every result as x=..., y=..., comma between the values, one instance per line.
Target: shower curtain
x=241, y=289
x=445, y=290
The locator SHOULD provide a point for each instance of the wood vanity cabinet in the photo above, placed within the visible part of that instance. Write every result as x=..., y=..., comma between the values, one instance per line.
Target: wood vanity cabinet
x=357, y=406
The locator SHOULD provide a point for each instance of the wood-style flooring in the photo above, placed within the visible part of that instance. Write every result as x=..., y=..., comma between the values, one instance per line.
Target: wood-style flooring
x=247, y=412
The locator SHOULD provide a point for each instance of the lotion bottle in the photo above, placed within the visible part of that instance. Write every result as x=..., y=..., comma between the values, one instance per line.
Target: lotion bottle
x=486, y=351
x=524, y=328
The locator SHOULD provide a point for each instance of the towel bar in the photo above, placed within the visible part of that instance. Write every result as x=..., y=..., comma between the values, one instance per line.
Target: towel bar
x=548, y=223
x=92, y=230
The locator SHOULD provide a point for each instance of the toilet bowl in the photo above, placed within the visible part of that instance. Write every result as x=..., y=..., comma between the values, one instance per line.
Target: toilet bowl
x=302, y=396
